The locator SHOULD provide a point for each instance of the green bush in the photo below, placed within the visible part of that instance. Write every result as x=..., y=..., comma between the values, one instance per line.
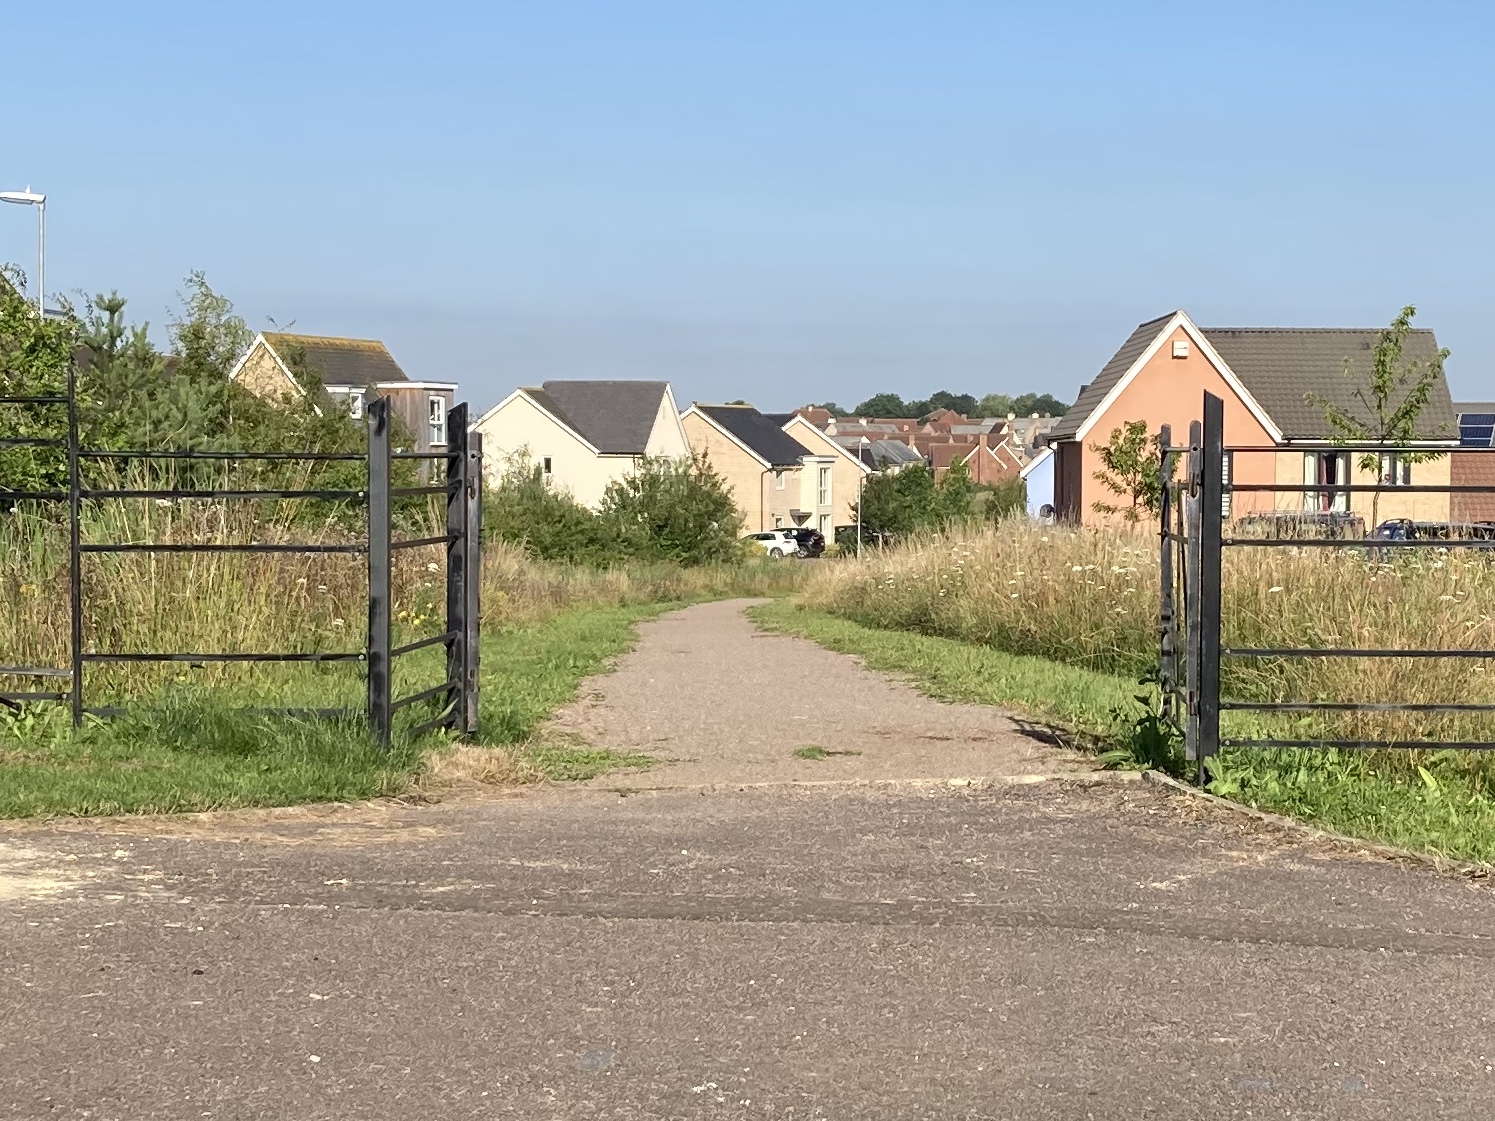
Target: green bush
x=677, y=510
x=524, y=510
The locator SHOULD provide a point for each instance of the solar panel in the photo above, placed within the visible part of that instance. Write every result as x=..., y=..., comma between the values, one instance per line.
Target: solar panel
x=1477, y=430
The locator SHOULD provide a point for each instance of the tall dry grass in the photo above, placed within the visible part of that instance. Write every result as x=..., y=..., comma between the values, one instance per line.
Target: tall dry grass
x=290, y=602
x=1090, y=598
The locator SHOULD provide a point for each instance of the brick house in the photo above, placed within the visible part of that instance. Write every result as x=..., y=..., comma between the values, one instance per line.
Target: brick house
x=1474, y=468
x=1267, y=378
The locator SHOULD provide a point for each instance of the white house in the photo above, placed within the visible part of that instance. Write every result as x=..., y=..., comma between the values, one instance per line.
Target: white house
x=583, y=435
x=1038, y=478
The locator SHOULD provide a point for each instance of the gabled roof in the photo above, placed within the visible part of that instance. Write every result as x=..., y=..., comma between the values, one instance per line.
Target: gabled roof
x=1277, y=370
x=339, y=362
x=1281, y=366
x=615, y=417
x=756, y=432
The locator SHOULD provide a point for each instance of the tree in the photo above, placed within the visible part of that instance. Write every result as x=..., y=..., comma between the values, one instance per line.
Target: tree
x=525, y=510
x=994, y=404
x=883, y=404
x=962, y=403
x=895, y=504
x=678, y=510
x=954, y=496
x=1027, y=404
x=1131, y=469
x=35, y=354
x=1390, y=404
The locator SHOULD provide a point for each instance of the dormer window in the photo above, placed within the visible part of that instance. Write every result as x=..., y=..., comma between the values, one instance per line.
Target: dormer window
x=436, y=407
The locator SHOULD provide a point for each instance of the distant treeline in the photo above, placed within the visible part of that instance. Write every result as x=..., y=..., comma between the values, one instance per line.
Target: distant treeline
x=992, y=405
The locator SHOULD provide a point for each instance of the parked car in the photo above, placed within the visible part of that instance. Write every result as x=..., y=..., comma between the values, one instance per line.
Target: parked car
x=811, y=541
x=1333, y=525
x=1405, y=529
x=775, y=542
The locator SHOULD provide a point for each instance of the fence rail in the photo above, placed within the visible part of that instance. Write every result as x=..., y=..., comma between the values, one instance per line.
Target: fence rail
x=460, y=484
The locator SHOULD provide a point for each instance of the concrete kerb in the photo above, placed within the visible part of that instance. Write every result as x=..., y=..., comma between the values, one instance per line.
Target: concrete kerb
x=1465, y=868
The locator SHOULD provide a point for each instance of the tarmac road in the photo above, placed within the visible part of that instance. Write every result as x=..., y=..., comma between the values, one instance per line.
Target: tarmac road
x=1079, y=947
x=1047, y=951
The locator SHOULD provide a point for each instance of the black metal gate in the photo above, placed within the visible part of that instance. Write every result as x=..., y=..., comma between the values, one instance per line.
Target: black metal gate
x=459, y=470
x=1197, y=527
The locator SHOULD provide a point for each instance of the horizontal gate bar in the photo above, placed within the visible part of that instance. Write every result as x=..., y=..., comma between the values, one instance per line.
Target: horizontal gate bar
x=33, y=400
x=32, y=442
x=18, y=697
x=421, y=644
x=428, y=725
x=33, y=495
x=1408, y=745
x=1350, y=488
x=357, y=656
x=34, y=671
x=411, y=492
x=420, y=455
x=419, y=541
x=146, y=547
x=1368, y=543
x=288, y=457
x=423, y=695
x=330, y=495
x=1346, y=652
x=1349, y=706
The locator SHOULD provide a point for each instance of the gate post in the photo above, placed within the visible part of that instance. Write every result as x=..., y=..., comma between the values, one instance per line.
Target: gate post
x=377, y=650
x=457, y=557
x=1191, y=594
x=1167, y=656
x=1211, y=523
x=472, y=538
x=75, y=548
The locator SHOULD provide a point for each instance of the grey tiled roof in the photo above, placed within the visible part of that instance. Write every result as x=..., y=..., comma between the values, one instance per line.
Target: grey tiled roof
x=765, y=438
x=615, y=417
x=350, y=362
x=1283, y=368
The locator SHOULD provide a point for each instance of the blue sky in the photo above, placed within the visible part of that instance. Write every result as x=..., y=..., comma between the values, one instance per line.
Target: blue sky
x=778, y=201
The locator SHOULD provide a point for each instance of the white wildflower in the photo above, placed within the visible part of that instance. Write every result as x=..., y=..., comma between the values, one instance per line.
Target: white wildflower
x=1275, y=588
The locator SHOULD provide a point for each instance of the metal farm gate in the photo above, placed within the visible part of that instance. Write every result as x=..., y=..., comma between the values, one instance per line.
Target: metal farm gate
x=459, y=471
x=1200, y=521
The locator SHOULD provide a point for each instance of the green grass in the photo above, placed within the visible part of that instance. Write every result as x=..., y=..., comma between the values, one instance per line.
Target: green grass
x=816, y=753
x=1086, y=707
x=1444, y=809
x=190, y=748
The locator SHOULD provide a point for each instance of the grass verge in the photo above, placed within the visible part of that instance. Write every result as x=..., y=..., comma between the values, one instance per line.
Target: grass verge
x=1445, y=812
x=191, y=748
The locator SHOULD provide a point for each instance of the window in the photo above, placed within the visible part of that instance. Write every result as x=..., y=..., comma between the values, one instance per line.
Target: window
x=825, y=526
x=1326, y=469
x=1227, y=473
x=436, y=408
x=1396, y=470
x=546, y=469
x=778, y=522
x=355, y=403
x=825, y=486
x=778, y=480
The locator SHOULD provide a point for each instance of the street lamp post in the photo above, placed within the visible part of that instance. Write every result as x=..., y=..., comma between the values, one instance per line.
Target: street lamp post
x=864, y=445
x=28, y=197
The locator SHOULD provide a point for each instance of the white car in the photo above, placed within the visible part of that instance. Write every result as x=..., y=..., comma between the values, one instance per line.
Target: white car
x=775, y=542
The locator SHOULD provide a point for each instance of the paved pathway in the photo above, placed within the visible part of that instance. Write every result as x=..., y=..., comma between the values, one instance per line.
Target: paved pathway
x=722, y=702
x=1070, y=949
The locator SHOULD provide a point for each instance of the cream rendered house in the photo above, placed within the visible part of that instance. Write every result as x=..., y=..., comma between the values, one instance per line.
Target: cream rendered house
x=583, y=435
x=847, y=472
x=777, y=483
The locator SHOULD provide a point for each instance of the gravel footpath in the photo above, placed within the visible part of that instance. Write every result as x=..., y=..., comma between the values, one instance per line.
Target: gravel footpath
x=722, y=702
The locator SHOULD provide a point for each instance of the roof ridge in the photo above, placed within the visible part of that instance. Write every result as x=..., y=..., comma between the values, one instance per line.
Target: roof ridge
x=1310, y=330
x=323, y=338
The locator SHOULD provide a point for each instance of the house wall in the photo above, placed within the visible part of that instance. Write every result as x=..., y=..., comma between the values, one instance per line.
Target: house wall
x=1040, y=485
x=1069, y=490
x=1472, y=469
x=520, y=426
x=667, y=438
x=261, y=374
x=845, y=473
x=1389, y=504
x=1170, y=390
x=410, y=405
x=759, y=500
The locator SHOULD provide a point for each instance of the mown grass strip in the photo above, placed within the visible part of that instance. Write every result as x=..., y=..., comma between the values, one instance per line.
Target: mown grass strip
x=1445, y=811
x=1085, y=706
